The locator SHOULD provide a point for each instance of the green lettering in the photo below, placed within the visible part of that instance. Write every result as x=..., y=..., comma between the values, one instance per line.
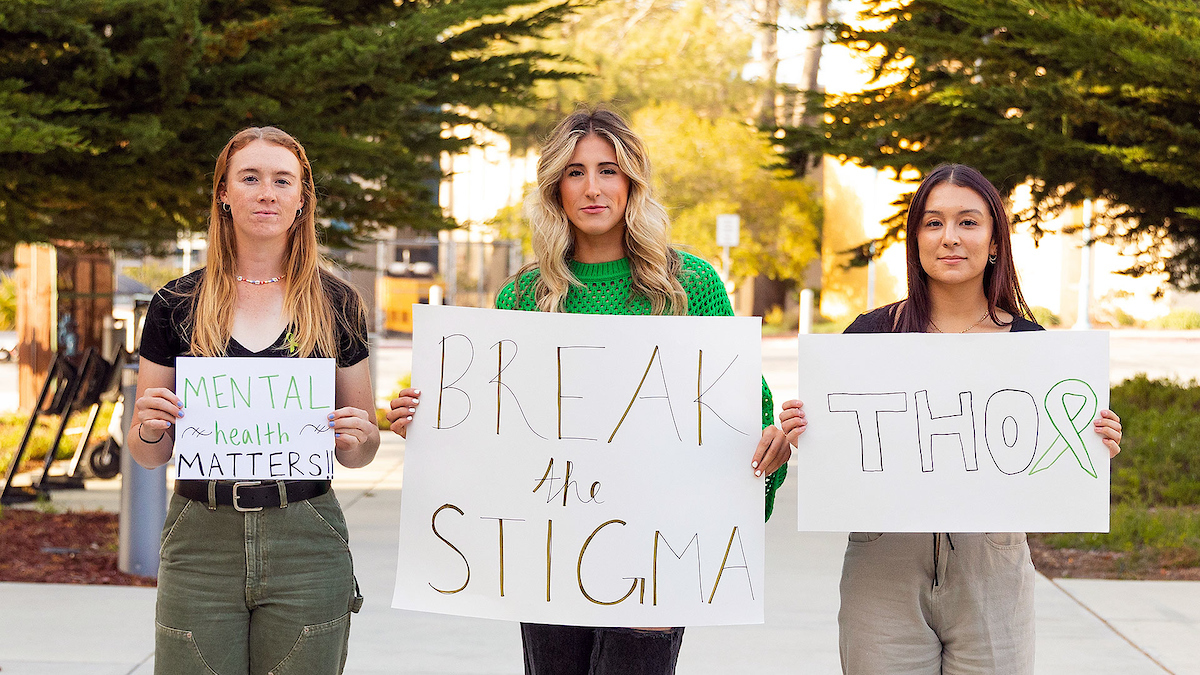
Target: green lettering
x=270, y=389
x=293, y=392
x=237, y=391
x=188, y=387
x=217, y=391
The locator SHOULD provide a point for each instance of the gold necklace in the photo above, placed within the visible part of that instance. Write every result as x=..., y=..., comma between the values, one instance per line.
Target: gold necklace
x=968, y=328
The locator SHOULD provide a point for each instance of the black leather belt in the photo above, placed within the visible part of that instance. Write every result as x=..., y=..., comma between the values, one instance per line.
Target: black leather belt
x=250, y=495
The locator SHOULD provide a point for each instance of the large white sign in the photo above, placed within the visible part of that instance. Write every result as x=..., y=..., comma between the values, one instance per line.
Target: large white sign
x=953, y=433
x=583, y=470
x=254, y=418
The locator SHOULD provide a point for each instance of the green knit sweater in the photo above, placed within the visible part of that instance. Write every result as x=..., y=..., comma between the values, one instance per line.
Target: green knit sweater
x=606, y=290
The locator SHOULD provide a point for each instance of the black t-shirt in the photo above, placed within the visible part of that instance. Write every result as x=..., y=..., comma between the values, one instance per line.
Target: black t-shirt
x=883, y=319
x=167, y=332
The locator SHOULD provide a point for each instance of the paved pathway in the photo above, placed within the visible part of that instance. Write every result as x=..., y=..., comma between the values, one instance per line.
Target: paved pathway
x=1086, y=627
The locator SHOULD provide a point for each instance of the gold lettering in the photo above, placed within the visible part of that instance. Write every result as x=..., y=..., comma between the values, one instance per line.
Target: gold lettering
x=579, y=568
x=433, y=524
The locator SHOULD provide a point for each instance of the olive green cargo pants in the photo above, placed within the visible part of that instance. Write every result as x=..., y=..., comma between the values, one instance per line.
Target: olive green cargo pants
x=260, y=593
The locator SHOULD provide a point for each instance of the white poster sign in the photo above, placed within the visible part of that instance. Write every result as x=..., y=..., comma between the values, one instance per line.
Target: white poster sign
x=584, y=470
x=953, y=433
x=254, y=418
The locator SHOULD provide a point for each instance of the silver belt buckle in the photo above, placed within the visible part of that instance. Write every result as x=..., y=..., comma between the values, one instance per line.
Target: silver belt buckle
x=236, y=496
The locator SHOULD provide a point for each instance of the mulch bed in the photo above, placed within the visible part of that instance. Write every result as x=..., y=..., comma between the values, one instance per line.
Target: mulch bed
x=1071, y=563
x=62, y=548
x=81, y=548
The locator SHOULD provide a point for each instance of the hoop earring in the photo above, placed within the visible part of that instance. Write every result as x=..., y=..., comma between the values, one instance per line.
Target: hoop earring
x=992, y=259
x=299, y=211
x=225, y=207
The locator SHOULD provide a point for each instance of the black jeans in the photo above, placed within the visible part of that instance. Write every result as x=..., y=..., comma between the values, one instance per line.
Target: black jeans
x=580, y=650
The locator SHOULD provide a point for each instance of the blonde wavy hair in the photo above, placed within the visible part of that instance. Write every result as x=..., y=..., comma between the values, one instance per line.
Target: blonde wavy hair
x=312, y=316
x=654, y=265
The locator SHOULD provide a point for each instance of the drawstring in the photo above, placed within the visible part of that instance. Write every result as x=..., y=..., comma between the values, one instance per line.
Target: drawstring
x=937, y=546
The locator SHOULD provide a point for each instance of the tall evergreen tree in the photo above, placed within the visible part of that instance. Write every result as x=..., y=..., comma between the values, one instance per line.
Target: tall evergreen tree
x=112, y=111
x=1080, y=100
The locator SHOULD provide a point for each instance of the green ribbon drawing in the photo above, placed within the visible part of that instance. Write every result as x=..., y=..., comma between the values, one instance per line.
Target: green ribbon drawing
x=1069, y=423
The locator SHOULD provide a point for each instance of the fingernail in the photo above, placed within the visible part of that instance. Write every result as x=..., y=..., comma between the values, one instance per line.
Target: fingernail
x=410, y=418
x=753, y=465
x=758, y=473
x=330, y=415
x=412, y=410
x=417, y=392
x=331, y=426
x=337, y=435
x=180, y=413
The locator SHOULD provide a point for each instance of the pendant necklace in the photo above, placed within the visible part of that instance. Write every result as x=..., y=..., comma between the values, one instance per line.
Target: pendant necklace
x=968, y=328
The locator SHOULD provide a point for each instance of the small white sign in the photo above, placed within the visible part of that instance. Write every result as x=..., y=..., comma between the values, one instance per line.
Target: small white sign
x=953, y=433
x=254, y=418
x=583, y=470
x=728, y=229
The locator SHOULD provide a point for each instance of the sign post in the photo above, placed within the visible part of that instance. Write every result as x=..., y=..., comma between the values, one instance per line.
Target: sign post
x=728, y=227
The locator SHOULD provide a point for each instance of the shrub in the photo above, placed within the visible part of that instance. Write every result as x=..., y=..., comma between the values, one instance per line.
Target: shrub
x=1158, y=464
x=1177, y=319
x=1045, y=317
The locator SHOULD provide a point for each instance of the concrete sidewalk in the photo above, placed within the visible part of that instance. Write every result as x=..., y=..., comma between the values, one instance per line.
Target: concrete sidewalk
x=1083, y=626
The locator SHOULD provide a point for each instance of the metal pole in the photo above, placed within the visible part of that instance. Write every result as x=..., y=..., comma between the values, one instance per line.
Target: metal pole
x=1083, y=318
x=871, y=279
x=143, y=497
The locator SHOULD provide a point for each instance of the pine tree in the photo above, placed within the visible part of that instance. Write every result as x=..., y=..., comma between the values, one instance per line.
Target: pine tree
x=112, y=111
x=1081, y=100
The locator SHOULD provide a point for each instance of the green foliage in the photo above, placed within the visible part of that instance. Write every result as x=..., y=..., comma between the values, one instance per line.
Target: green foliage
x=704, y=168
x=1045, y=317
x=112, y=111
x=1177, y=319
x=635, y=54
x=1096, y=100
x=8, y=302
x=152, y=274
x=1158, y=464
x=12, y=427
x=778, y=322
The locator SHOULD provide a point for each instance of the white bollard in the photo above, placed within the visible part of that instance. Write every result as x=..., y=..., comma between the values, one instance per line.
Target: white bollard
x=806, y=311
x=435, y=295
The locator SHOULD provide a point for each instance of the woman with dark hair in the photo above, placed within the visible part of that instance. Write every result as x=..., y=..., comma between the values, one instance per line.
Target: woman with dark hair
x=603, y=246
x=944, y=603
x=255, y=576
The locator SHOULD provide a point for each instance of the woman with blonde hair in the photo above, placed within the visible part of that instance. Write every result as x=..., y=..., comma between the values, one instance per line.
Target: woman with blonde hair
x=255, y=576
x=602, y=246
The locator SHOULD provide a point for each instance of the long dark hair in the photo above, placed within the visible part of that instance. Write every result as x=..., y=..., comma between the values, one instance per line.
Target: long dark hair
x=999, y=278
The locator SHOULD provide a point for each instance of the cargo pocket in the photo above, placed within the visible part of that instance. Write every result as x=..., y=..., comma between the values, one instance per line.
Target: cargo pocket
x=320, y=649
x=1005, y=541
x=179, y=507
x=176, y=653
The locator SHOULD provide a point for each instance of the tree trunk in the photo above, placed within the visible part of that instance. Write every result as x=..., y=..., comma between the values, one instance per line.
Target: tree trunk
x=816, y=15
x=767, y=110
